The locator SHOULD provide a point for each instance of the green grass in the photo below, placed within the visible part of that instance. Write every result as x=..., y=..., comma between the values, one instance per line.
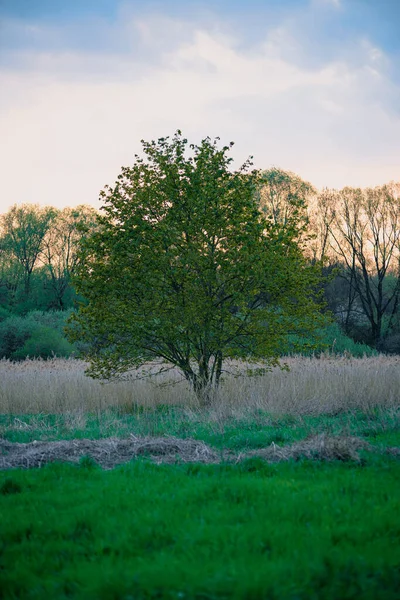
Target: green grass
x=259, y=429
x=296, y=530
x=288, y=531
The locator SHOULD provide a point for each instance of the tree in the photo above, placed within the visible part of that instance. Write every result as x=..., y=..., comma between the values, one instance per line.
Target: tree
x=11, y=276
x=284, y=198
x=321, y=216
x=24, y=228
x=184, y=268
x=59, y=253
x=364, y=227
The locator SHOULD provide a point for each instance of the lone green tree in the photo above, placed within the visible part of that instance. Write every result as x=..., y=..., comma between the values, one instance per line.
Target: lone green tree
x=186, y=269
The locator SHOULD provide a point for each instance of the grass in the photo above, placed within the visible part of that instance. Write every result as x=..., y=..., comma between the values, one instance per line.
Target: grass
x=247, y=529
x=256, y=429
x=312, y=386
x=251, y=530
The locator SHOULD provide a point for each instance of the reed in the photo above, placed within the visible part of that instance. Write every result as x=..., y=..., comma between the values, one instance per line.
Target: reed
x=312, y=386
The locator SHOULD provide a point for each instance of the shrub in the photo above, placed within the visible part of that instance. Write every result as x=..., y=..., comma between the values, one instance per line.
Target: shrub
x=44, y=343
x=4, y=313
x=331, y=339
x=54, y=319
x=14, y=332
x=38, y=334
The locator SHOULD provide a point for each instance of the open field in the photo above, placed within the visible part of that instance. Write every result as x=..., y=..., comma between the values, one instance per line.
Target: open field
x=272, y=492
x=311, y=387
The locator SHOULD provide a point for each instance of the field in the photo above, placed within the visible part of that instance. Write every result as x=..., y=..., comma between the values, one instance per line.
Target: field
x=312, y=386
x=287, y=486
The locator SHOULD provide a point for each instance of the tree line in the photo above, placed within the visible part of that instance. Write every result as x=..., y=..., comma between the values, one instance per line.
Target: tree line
x=354, y=234
x=39, y=252
x=351, y=236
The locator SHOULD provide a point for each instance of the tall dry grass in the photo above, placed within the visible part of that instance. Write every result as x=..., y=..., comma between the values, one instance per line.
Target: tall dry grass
x=312, y=386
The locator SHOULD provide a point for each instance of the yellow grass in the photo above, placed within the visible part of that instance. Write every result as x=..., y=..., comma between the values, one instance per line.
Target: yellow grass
x=312, y=386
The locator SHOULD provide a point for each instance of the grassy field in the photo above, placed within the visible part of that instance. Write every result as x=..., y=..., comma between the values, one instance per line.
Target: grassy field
x=300, y=498
x=252, y=530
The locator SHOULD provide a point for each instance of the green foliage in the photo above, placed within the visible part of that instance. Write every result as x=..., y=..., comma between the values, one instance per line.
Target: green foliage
x=4, y=313
x=54, y=319
x=203, y=531
x=38, y=334
x=44, y=343
x=330, y=339
x=38, y=254
x=14, y=331
x=24, y=228
x=339, y=343
x=185, y=268
x=60, y=250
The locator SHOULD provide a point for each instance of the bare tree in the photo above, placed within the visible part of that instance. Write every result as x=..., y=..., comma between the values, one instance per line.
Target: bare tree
x=364, y=228
x=320, y=216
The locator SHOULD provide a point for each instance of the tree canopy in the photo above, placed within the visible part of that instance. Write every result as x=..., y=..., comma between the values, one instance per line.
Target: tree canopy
x=185, y=268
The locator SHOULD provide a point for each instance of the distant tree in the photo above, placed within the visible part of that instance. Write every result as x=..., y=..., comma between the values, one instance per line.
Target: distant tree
x=321, y=216
x=284, y=198
x=59, y=253
x=23, y=230
x=364, y=229
x=186, y=269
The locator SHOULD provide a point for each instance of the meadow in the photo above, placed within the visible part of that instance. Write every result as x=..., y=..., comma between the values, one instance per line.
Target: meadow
x=286, y=487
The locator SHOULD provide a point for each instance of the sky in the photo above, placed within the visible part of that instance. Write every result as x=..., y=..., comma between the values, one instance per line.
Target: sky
x=310, y=86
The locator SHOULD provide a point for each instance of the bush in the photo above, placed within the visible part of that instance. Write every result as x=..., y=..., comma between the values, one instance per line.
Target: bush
x=4, y=313
x=54, y=319
x=38, y=334
x=14, y=332
x=44, y=343
x=339, y=343
x=330, y=339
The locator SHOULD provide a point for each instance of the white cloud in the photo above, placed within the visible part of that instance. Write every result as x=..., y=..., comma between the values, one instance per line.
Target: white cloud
x=69, y=121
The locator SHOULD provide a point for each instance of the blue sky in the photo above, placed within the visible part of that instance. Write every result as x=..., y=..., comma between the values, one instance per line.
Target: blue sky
x=312, y=86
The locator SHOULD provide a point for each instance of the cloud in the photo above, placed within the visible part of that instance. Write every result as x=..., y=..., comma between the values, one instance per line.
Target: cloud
x=70, y=119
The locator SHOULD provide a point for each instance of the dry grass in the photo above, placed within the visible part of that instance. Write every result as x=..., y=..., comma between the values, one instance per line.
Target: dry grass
x=108, y=452
x=319, y=447
x=311, y=387
x=111, y=452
